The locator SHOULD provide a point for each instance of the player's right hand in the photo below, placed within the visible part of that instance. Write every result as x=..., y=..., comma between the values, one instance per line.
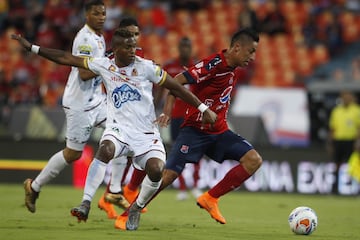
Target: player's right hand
x=23, y=42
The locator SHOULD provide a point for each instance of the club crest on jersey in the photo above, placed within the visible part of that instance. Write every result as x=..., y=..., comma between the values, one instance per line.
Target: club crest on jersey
x=134, y=72
x=184, y=149
x=124, y=94
x=112, y=68
x=225, y=95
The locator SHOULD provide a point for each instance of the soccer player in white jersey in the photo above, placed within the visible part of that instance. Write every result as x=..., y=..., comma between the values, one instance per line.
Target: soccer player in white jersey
x=117, y=179
x=131, y=125
x=83, y=102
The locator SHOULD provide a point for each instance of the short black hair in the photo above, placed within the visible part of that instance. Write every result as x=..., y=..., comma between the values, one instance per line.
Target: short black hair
x=245, y=34
x=122, y=32
x=128, y=21
x=90, y=3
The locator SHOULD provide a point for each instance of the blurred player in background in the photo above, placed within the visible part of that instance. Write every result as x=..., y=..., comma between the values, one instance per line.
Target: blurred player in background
x=344, y=126
x=117, y=179
x=83, y=101
x=174, y=67
x=213, y=80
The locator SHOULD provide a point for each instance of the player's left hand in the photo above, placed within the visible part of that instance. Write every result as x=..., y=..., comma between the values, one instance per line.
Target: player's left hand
x=163, y=120
x=209, y=116
x=23, y=42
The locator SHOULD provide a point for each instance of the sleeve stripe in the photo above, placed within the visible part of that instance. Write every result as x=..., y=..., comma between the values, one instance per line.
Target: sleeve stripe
x=86, y=64
x=188, y=76
x=163, y=78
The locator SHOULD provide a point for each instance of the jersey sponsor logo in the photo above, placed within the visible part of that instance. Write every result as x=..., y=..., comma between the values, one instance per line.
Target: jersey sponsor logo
x=184, y=149
x=213, y=62
x=85, y=49
x=225, y=95
x=120, y=78
x=124, y=94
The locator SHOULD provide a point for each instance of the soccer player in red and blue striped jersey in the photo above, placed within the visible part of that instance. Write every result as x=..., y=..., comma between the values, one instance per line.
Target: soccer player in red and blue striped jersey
x=212, y=80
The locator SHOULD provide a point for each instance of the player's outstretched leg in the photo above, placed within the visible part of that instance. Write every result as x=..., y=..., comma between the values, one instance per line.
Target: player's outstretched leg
x=30, y=196
x=81, y=211
x=210, y=204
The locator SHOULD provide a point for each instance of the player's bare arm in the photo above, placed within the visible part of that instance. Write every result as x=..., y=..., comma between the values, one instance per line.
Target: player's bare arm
x=176, y=88
x=170, y=100
x=86, y=74
x=55, y=55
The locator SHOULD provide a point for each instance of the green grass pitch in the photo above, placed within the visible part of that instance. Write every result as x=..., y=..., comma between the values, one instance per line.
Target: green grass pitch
x=249, y=216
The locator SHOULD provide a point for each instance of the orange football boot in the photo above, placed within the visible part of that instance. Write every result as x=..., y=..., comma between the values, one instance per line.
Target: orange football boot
x=120, y=222
x=210, y=204
x=107, y=207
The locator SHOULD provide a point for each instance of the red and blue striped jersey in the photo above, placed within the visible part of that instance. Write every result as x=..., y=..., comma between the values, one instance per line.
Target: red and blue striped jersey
x=213, y=81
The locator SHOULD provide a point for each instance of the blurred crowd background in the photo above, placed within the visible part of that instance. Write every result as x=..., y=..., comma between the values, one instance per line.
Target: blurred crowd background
x=301, y=42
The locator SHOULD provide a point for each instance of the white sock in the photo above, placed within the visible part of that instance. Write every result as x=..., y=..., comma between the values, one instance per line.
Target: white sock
x=118, y=166
x=52, y=169
x=148, y=189
x=94, y=178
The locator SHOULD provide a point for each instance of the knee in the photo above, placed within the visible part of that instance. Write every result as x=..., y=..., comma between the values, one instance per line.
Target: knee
x=154, y=169
x=106, y=151
x=251, y=161
x=71, y=155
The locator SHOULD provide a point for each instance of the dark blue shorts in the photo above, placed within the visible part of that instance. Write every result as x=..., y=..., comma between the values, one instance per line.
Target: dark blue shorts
x=191, y=145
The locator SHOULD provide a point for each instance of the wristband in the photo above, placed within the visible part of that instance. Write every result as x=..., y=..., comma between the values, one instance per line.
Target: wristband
x=35, y=49
x=202, y=107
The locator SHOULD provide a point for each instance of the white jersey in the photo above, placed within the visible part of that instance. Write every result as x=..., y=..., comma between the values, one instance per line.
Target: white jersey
x=79, y=94
x=130, y=105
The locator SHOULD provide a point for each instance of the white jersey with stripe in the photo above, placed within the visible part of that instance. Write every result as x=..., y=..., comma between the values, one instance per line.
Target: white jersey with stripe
x=130, y=105
x=79, y=94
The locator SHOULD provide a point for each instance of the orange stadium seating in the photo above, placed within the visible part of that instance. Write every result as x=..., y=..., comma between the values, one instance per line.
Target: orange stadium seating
x=280, y=60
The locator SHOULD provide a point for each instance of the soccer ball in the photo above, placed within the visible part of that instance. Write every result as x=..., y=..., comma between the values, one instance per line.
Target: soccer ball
x=303, y=220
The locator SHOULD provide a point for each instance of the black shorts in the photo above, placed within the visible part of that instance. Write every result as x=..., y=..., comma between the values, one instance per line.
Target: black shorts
x=191, y=144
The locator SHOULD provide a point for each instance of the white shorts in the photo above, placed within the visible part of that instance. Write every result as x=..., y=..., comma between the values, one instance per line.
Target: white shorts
x=144, y=147
x=80, y=123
